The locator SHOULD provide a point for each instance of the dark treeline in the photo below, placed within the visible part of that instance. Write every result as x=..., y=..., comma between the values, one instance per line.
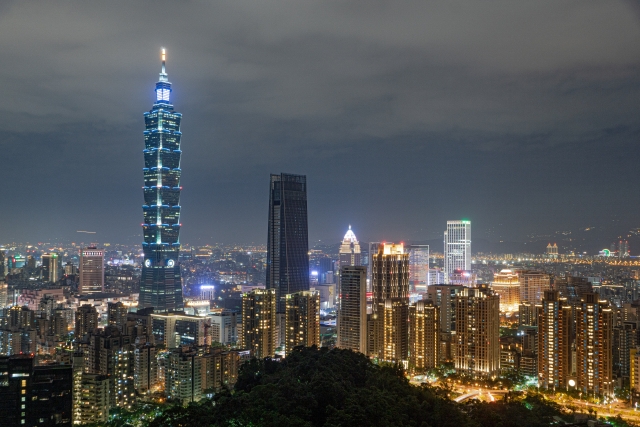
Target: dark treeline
x=334, y=388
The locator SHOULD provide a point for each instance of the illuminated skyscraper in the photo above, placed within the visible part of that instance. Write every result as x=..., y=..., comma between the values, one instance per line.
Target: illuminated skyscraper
x=350, y=250
x=532, y=285
x=594, y=350
x=507, y=285
x=160, y=284
x=259, y=322
x=351, y=321
x=390, y=281
x=457, y=248
x=91, y=271
x=50, y=267
x=424, y=336
x=287, y=239
x=419, y=267
x=554, y=342
x=477, y=338
x=302, y=320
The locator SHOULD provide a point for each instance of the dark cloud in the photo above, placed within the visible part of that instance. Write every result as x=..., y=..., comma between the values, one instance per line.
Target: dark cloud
x=402, y=114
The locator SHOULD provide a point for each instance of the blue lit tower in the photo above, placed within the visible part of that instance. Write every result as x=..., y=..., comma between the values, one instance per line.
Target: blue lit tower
x=160, y=284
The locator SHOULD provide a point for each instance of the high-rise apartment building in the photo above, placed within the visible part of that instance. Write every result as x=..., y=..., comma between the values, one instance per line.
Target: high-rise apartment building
x=424, y=336
x=224, y=327
x=351, y=322
x=443, y=298
x=117, y=315
x=92, y=404
x=145, y=367
x=51, y=267
x=91, y=271
x=532, y=285
x=594, y=352
x=554, y=342
x=4, y=293
x=174, y=330
x=160, y=283
x=477, y=337
x=86, y=320
x=259, y=322
x=390, y=282
x=529, y=314
x=418, y=267
x=34, y=395
x=302, y=320
x=287, y=239
x=184, y=368
x=457, y=248
x=507, y=285
x=350, y=250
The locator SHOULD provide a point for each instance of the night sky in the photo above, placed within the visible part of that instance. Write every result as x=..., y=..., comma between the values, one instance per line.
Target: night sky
x=522, y=116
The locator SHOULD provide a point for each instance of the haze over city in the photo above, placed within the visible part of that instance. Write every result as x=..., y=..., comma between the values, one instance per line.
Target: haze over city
x=522, y=117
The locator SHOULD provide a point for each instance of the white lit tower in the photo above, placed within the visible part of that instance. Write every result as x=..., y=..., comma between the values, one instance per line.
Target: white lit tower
x=457, y=247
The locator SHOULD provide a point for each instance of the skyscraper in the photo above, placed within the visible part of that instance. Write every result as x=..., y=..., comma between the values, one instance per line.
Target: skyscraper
x=554, y=341
x=594, y=352
x=424, y=336
x=507, y=285
x=259, y=322
x=287, y=240
x=390, y=281
x=532, y=285
x=351, y=321
x=457, y=248
x=477, y=338
x=160, y=284
x=419, y=267
x=91, y=271
x=350, y=250
x=50, y=267
x=302, y=319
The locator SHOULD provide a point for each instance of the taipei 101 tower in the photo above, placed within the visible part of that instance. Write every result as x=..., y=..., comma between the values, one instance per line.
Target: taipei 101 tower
x=160, y=284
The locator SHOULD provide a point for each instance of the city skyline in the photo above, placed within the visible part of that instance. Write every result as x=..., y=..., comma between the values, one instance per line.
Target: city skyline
x=554, y=128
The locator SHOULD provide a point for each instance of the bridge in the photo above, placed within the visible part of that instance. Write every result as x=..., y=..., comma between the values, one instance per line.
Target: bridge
x=475, y=393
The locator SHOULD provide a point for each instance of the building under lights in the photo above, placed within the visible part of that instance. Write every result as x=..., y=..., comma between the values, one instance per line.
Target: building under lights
x=507, y=285
x=91, y=271
x=51, y=267
x=302, y=320
x=457, y=248
x=350, y=250
x=594, y=352
x=477, y=337
x=259, y=322
x=418, y=267
x=390, y=282
x=351, y=321
x=554, y=342
x=532, y=285
x=424, y=336
x=160, y=284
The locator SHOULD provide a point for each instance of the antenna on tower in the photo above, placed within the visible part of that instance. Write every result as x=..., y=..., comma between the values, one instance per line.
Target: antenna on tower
x=163, y=58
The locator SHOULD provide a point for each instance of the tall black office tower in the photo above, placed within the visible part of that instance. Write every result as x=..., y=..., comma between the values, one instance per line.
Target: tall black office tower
x=160, y=284
x=288, y=240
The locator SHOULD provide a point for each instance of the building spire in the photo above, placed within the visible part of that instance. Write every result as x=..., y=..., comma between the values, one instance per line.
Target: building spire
x=163, y=58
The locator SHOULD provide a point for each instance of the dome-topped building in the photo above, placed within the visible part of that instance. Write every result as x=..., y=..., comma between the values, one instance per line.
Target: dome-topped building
x=350, y=249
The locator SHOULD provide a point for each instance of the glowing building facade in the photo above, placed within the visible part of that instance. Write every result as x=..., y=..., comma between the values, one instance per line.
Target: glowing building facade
x=350, y=250
x=259, y=322
x=457, y=248
x=424, y=336
x=419, y=267
x=554, y=342
x=160, y=284
x=302, y=320
x=532, y=285
x=351, y=321
x=594, y=351
x=390, y=282
x=91, y=271
x=477, y=338
x=507, y=285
